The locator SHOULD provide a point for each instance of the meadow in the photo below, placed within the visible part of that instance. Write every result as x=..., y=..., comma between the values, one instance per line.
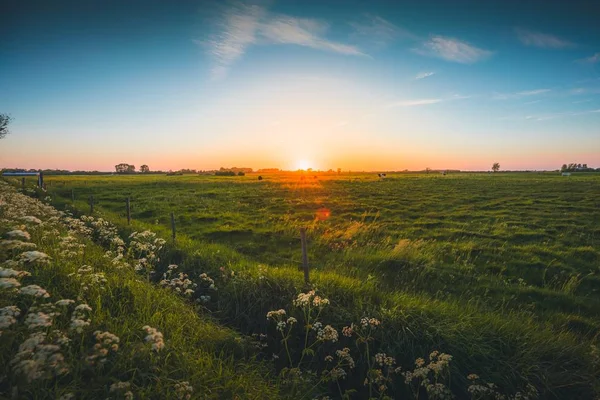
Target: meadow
x=534, y=236
x=500, y=271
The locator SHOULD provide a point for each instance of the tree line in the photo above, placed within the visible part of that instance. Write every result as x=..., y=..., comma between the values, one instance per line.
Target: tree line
x=575, y=167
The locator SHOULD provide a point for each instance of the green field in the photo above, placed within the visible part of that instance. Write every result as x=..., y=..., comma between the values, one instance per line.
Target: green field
x=499, y=270
x=535, y=236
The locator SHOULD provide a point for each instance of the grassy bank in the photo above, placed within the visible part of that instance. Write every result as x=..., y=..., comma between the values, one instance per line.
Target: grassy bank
x=213, y=361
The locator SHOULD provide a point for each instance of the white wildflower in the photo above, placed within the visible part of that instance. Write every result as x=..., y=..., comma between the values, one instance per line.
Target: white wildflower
x=35, y=291
x=31, y=219
x=36, y=320
x=19, y=234
x=154, y=337
x=9, y=283
x=8, y=316
x=183, y=390
x=106, y=343
x=11, y=273
x=34, y=256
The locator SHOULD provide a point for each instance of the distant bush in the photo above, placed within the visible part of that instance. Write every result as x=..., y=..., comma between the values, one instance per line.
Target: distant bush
x=224, y=173
x=241, y=173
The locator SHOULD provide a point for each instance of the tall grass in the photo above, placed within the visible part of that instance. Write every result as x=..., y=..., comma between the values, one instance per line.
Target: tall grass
x=510, y=348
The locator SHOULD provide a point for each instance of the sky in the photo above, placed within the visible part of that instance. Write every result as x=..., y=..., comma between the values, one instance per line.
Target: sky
x=357, y=85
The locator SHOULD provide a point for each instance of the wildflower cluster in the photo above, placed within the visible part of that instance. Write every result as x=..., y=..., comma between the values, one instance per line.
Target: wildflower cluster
x=310, y=299
x=179, y=283
x=34, y=256
x=88, y=278
x=106, y=343
x=34, y=291
x=206, y=288
x=18, y=234
x=430, y=376
x=70, y=247
x=8, y=316
x=39, y=357
x=104, y=232
x=38, y=319
x=154, y=337
x=279, y=317
x=16, y=245
x=183, y=390
x=145, y=247
x=77, y=226
x=479, y=389
x=79, y=318
x=328, y=333
x=338, y=369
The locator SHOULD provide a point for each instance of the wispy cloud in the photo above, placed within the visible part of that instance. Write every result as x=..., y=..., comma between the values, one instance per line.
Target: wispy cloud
x=412, y=103
x=236, y=31
x=423, y=75
x=533, y=92
x=546, y=117
x=582, y=101
x=590, y=60
x=282, y=29
x=451, y=49
x=425, y=102
x=543, y=40
x=525, y=93
x=379, y=31
x=241, y=26
x=550, y=116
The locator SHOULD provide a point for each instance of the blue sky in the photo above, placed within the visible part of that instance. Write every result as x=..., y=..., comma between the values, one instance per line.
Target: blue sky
x=357, y=85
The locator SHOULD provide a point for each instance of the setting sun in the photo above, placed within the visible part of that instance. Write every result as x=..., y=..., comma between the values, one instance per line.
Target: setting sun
x=303, y=165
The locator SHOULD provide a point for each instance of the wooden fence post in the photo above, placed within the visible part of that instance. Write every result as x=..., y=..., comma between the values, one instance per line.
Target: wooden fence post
x=304, y=254
x=173, y=225
x=91, y=204
x=23, y=182
x=128, y=205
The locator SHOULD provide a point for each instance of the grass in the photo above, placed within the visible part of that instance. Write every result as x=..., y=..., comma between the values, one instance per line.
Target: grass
x=216, y=361
x=514, y=233
x=499, y=270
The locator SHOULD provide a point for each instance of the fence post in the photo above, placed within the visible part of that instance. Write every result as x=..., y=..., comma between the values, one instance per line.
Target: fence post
x=304, y=254
x=91, y=204
x=173, y=225
x=23, y=182
x=72, y=196
x=128, y=205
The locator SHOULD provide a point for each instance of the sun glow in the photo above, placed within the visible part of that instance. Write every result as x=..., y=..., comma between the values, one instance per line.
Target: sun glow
x=303, y=165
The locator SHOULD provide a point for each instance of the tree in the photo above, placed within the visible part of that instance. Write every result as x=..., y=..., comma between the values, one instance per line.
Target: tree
x=124, y=168
x=564, y=168
x=496, y=167
x=4, y=121
x=144, y=169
